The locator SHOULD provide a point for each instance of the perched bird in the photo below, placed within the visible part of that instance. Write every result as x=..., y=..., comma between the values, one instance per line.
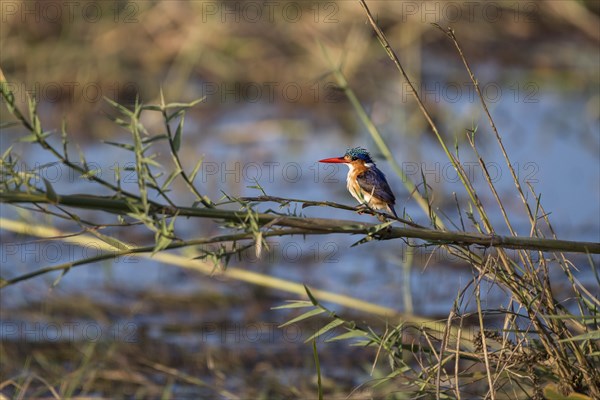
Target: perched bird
x=365, y=182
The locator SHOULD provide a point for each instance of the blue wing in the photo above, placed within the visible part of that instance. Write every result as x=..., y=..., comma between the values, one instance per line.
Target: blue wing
x=373, y=181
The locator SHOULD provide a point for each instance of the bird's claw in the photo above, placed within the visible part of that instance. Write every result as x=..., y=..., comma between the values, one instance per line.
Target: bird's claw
x=362, y=208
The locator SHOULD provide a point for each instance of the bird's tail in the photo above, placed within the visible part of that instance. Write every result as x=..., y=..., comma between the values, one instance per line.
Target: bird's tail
x=393, y=211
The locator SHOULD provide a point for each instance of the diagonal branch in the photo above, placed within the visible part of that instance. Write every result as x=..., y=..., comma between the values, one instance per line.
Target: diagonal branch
x=315, y=226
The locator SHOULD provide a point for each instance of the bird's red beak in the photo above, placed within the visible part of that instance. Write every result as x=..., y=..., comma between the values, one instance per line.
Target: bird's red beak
x=337, y=160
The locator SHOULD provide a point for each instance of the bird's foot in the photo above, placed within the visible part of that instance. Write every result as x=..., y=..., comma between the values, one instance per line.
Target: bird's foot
x=362, y=208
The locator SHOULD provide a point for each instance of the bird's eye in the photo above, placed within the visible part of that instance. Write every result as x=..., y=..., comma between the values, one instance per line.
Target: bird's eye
x=354, y=158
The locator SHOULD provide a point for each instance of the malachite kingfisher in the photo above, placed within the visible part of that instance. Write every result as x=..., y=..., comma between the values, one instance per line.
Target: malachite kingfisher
x=365, y=182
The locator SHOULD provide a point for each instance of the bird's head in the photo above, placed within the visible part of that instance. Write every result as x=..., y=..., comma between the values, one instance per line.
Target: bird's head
x=354, y=156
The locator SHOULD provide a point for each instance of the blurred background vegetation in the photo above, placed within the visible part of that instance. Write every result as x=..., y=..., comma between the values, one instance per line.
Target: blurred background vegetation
x=71, y=56
x=269, y=95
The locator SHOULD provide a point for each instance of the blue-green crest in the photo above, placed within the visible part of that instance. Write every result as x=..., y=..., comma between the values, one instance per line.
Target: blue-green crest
x=359, y=153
